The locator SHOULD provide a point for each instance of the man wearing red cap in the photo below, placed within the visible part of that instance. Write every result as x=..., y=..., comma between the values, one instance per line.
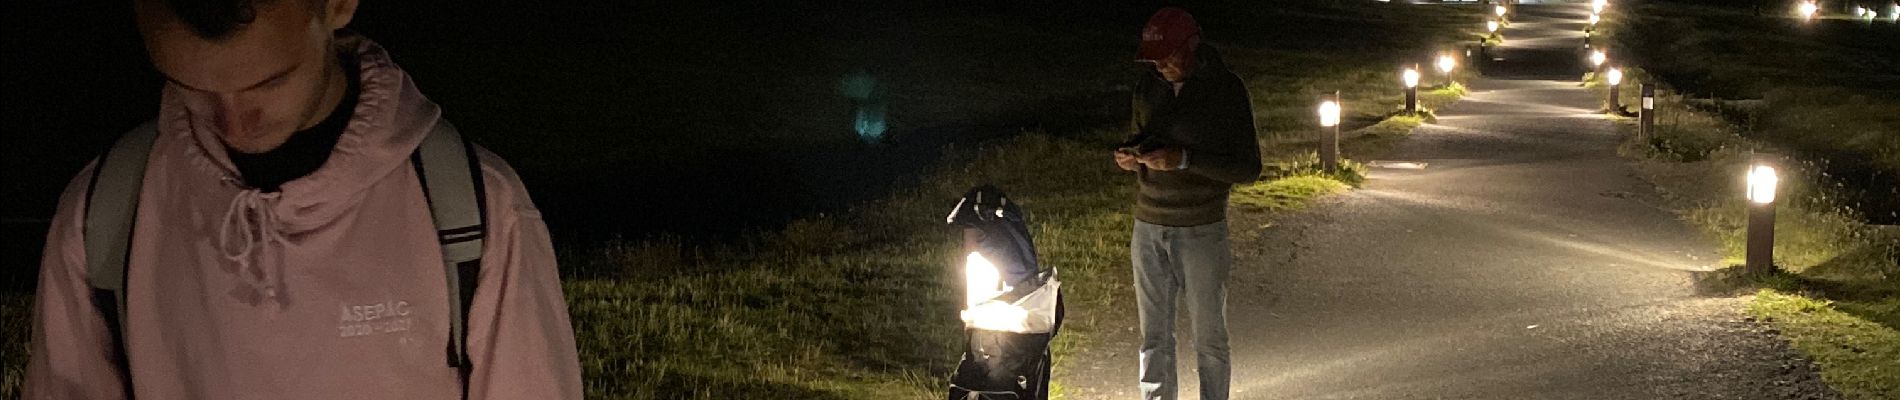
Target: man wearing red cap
x=1193, y=139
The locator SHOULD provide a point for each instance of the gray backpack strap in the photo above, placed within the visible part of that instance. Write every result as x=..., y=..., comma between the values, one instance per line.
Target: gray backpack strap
x=452, y=180
x=112, y=203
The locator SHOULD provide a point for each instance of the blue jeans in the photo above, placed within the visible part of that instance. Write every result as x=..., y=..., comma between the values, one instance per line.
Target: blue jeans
x=1167, y=260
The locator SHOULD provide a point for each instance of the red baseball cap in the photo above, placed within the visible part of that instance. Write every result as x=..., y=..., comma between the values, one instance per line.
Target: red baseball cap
x=1168, y=31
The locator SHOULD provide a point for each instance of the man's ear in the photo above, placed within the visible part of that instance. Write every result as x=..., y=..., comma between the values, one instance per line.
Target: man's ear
x=338, y=12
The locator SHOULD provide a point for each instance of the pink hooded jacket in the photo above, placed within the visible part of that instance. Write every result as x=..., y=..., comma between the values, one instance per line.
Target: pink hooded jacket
x=332, y=288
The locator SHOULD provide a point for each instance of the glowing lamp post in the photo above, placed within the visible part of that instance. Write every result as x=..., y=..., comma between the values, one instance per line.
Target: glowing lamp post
x=1596, y=7
x=1893, y=13
x=1597, y=58
x=1762, y=182
x=1807, y=10
x=1615, y=78
x=1411, y=89
x=1445, y=64
x=1500, y=10
x=1594, y=19
x=1329, y=134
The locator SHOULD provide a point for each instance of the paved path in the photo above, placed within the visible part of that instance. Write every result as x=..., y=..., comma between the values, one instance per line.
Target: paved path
x=1523, y=262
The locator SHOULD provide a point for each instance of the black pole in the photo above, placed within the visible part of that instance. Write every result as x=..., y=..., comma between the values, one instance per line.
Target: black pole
x=1616, y=105
x=1411, y=100
x=1648, y=126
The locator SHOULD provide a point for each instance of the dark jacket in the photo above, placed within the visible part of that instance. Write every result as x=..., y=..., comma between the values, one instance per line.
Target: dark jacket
x=1211, y=118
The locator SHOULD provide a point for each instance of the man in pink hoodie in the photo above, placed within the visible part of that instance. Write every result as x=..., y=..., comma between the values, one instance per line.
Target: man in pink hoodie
x=283, y=245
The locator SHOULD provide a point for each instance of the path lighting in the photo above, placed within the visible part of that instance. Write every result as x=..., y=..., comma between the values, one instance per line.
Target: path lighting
x=1491, y=25
x=1615, y=78
x=1500, y=10
x=1762, y=181
x=1893, y=12
x=1411, y=89
x=1597, y=58
x=1807, y=9
x=1329, y=134
x=1446, y=63
x=1594, y=19
x=1597, y=6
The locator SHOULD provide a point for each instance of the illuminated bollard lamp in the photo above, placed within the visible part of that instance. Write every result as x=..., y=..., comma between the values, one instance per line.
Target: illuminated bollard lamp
x=1762, y=182
x=1614, y=77
x=1447, y=63
x=1410, y=77
x=1329, y=134
x=1807, y=9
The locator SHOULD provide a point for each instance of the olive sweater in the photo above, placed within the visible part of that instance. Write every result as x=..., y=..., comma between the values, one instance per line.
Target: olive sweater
x=1212, y=119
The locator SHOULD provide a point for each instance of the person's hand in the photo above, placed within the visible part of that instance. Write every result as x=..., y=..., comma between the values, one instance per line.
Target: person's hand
x=1164, y=159
x=1126, y=161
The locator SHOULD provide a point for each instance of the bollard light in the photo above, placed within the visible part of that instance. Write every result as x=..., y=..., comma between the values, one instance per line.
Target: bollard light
x=1411, y=89
x=1597, y=58
x=1761, y=184
x=1598, y=5
x=1500, y=10
x=1491, y=26
x=1893, y=13
x=1328, y=113
x=1615, y=78
x=1594, y=19
x=1860, y=12
x=1760, y=255
x=1329, y=134
x=1446, y=63
x=1807, y=9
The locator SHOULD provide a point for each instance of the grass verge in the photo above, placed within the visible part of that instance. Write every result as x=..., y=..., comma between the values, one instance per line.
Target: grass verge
x=1838, y=300
x=1857, y=355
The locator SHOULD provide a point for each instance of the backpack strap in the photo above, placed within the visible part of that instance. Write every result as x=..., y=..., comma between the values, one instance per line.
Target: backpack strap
x=112, y=203
x=451, y=179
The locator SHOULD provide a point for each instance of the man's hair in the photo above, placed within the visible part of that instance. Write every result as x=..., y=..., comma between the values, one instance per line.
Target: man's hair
x=218, y=19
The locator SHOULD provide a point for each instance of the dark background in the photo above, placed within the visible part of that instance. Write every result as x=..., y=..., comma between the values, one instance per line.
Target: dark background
x=625, y=119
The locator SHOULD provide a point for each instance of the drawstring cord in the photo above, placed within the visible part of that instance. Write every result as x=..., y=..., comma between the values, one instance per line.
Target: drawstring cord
x=254, y=219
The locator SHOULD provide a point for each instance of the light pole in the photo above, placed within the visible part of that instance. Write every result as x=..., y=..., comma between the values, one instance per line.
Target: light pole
x=1446, y=63
x=1615, y=78
x=1596, y=7
x=1411, y=89
x=1648, y=125
x=1597, y=57
x=1762, y=182
x=1329, y=134
x=1807, y=9
x=1501, y=11
x=1594, y=19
